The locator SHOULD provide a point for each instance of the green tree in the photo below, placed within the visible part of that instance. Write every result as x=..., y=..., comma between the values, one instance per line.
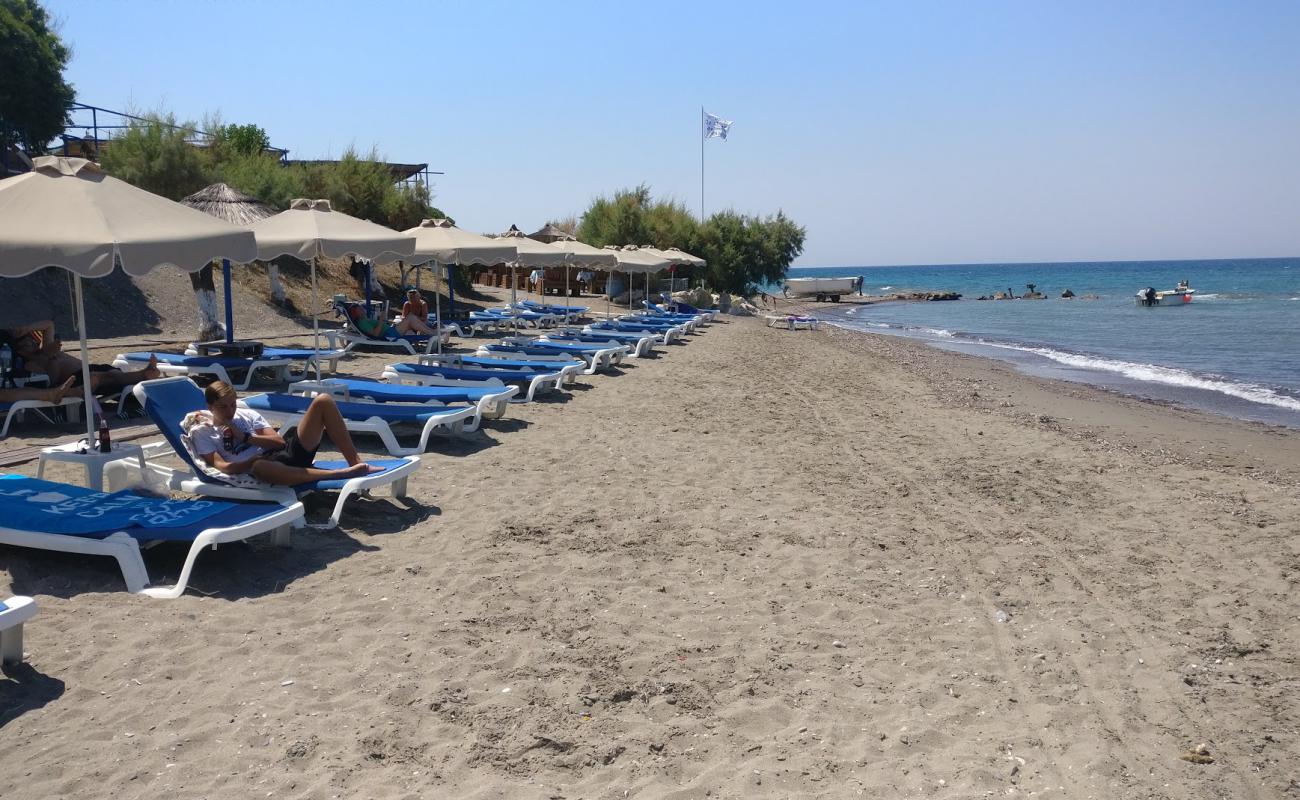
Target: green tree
x=746, y=252
x=241, y=139
x=157, y=155
x=34, y=97
x=618, y=220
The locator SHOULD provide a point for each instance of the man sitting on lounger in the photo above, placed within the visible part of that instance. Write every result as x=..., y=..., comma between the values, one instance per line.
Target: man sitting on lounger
x=42, y=351
x=239, y=441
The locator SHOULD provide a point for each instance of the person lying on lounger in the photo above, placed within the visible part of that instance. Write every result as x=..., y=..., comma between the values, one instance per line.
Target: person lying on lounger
x=42, y=351
x=239, y=441
x=378, y=329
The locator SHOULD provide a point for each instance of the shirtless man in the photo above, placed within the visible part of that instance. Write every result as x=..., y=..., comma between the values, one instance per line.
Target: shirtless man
x=42, y=351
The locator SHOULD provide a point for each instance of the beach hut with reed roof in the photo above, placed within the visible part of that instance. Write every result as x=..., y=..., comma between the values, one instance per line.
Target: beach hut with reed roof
x=226, y=203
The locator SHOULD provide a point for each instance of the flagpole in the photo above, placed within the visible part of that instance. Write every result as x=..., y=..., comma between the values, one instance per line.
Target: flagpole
x=701, y=163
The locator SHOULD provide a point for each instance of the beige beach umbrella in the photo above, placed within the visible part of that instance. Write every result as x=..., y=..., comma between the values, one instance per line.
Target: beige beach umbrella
x=437, y=241
x=583, y=256
x=309, y=229
x=633, y=261
x=550, y=233
x=682, y=257
x=67, y=213
x=532, y=254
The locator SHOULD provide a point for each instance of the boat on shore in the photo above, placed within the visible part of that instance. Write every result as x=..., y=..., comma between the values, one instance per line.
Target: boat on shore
x=821, y=288
x=1179, y=296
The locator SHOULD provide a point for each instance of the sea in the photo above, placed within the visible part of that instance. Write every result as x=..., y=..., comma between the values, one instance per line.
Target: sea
x=1234, y=350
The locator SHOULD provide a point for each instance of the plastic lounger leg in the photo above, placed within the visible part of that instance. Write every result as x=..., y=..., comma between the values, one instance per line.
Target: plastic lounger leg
x=127, y=552
x=11, y=645
x=399, y=488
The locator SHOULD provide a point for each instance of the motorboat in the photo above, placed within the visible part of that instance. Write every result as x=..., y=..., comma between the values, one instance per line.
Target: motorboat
x=821, y=288
x=1181, y=295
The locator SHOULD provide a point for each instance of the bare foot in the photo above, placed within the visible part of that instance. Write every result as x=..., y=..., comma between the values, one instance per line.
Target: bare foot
x=57, y=394
x=357, y=470
x=152, y=371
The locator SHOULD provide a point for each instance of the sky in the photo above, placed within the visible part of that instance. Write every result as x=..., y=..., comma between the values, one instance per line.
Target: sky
x=894, y=132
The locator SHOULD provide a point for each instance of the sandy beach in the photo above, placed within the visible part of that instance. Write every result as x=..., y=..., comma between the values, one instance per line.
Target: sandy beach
x=763, y=564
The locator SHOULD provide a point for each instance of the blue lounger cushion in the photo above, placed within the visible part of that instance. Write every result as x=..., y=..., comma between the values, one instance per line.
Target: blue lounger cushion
x=389, y=412
x=401, y=393
x=468, y=374
x=544, y=348
x=182, y=360
x=516, y=363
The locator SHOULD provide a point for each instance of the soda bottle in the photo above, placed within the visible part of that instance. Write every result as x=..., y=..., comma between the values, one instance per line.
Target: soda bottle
x=105, y=443
x=228, y=439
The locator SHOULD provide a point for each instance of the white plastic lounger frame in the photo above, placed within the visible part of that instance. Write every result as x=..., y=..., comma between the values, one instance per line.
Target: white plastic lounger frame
x=15, y=409
x=405, y=345
x=126, y=549
x=600, y=357
x=490, y=406
x=791, y=323
x=449, y=422
x=541, y=383
x=182, y=479
x=643, y=347
x=218, y=371
x=667, y=337
x=568, y=367
x=13, y=613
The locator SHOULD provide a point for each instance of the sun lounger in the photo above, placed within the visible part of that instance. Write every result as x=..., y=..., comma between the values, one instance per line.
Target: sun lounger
x=670, y=333
x=13, y=613
x=11, y=411
x=640, y=344
x=378, y=418
x=569, y=313
x=168, y=400
x=568, y=366
x=686, y=308
x=491, y=401
x=687, y=324
x=71, y=519
x=656, y=311
x=530, y=382
x=309, y=359
x=220, y=367
x=791, y=322
x=355, y=337
x=597, y=357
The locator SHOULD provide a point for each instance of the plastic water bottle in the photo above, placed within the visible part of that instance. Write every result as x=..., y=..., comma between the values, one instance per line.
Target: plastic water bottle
x=105, y=442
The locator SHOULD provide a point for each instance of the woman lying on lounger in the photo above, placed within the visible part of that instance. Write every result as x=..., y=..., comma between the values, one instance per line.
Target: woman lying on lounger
x=239, y=440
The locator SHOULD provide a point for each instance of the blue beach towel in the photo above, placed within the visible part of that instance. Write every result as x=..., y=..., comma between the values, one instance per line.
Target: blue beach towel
x=32, y=504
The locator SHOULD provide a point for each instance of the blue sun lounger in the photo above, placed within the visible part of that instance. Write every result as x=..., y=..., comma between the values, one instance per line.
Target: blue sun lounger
x=220, y=367
x=640, y=344
x=597, y=357
x=569, y=367
x=663, y=334
x=491, y=401
x=13, y=613
x=530, y=382
x=287, y=410
x=168, y=400
x=310, y=360
x=57, y=516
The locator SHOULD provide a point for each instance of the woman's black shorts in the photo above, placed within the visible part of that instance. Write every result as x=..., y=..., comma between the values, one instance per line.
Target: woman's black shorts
x=294, y=454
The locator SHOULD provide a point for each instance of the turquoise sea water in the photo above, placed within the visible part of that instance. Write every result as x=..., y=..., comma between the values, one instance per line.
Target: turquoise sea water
x=1234, y=350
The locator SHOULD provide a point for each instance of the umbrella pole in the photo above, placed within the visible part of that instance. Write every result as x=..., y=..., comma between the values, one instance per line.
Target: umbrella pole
x=85, y=362
x=451, y=294
x=514, y=320
x=437, y=311
x=315, y=312
x=370, y=265
x=230, y=313
x=566, y=294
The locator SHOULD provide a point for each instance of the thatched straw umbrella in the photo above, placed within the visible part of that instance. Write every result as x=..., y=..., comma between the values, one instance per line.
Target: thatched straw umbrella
x=237, y=208
x=550, y=233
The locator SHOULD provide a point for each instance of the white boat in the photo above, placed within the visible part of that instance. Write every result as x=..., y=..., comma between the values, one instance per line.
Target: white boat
x=1180, y=296
x=821, y=288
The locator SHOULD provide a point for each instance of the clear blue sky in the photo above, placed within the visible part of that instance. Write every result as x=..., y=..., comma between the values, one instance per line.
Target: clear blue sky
x=897, y=133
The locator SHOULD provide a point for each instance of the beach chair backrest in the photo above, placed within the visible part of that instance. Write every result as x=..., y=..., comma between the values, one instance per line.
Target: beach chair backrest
x=167, y=401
